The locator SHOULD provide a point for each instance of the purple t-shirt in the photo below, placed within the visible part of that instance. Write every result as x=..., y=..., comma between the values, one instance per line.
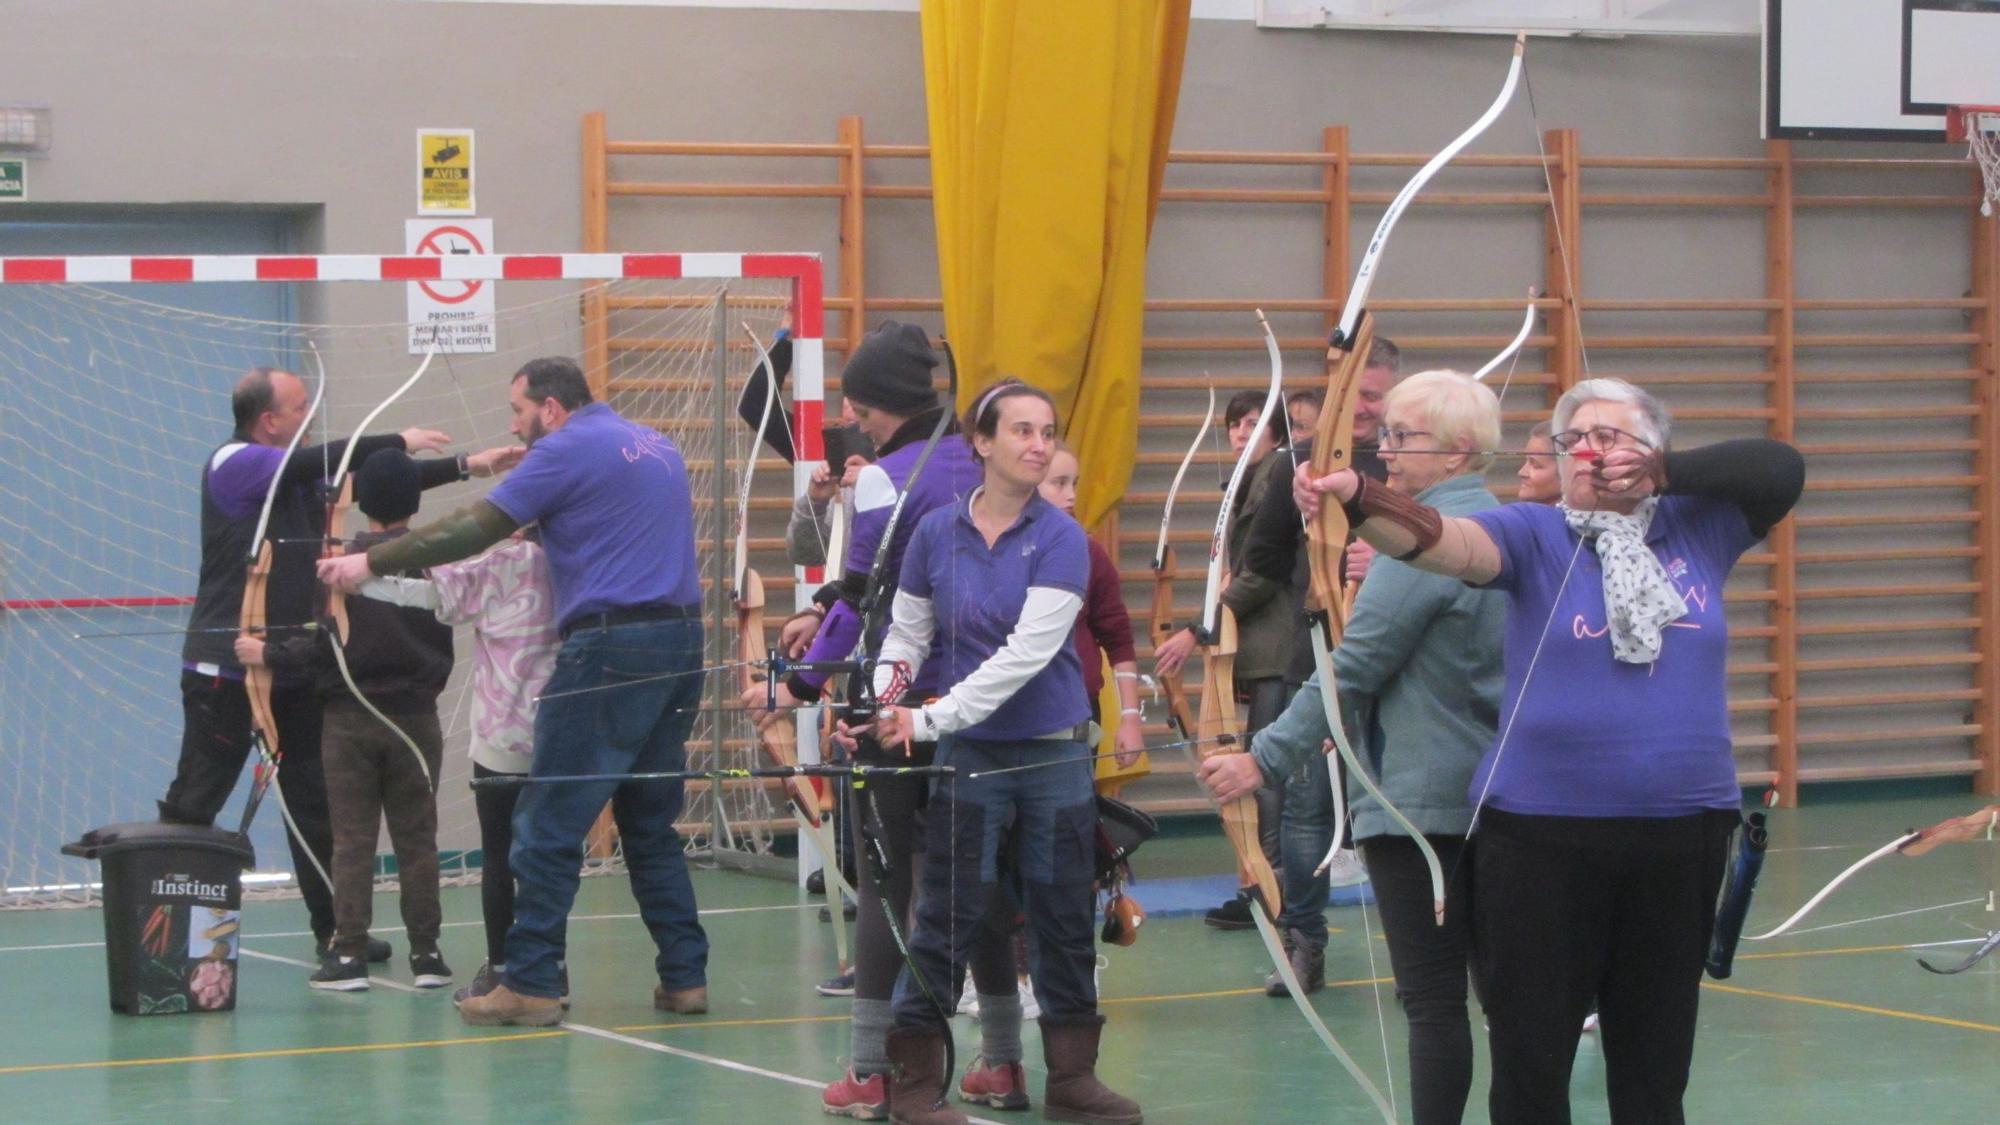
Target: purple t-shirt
x=1594, y=736
x=976, y=594
x=617, y=521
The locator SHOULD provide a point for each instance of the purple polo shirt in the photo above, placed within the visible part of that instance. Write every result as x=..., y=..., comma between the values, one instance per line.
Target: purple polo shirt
x=948, y=478
x=976, y=594
x=617, y=521
x=1592, y=736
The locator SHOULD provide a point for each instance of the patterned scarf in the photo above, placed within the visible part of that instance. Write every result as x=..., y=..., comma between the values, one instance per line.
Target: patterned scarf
x=1639, y=599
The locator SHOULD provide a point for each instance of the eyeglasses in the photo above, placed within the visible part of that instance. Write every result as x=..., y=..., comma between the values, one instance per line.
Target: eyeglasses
x=1598, y=437
x=1396, y=437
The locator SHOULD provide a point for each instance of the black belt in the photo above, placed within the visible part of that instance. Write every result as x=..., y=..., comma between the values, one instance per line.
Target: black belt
x=631, y=615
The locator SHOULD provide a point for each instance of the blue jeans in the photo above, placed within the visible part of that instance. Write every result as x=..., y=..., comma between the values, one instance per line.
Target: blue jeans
x=1306, y=834
x=1053, y=813
x=637, y=729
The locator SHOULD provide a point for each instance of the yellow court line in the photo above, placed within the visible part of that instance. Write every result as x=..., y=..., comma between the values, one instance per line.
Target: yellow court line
x=1844, y=1006
x=1825, y=952
x=277, y=1053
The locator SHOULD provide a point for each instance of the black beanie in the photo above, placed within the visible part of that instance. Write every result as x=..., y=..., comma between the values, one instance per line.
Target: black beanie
x=891, y=370
x=387, y=486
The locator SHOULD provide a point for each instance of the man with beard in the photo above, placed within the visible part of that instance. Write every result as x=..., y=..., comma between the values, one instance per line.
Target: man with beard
x=617, y=523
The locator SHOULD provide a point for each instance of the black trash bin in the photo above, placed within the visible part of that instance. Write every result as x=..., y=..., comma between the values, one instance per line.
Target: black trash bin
x=173, y=899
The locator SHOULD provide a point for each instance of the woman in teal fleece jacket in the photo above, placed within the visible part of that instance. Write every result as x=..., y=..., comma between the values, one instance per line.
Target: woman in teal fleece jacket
x=1420, y=678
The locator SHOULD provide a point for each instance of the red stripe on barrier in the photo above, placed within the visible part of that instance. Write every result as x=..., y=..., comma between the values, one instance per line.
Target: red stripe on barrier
x=810, y=416
x=663, y=266
x=531, y=267
x=425, y=268
x=163, y=269
x=288, y=269
x=34, y=269
x=18, y=604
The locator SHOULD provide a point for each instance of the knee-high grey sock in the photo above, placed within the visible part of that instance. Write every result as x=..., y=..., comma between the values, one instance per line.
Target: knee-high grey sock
x=868, y=1035
x=1000, y=1028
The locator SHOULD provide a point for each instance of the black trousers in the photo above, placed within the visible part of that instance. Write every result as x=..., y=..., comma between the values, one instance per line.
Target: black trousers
x=1430, y=963
x=1567, y=910
x=887, y=827
x=215, y=742
x=495, y=806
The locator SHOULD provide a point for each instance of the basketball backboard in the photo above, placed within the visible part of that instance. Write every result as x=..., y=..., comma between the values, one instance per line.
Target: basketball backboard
x=1876, y=69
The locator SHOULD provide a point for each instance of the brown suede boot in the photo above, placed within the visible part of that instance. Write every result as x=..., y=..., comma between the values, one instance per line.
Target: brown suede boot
x=916, y=1079
x=1073, y=1092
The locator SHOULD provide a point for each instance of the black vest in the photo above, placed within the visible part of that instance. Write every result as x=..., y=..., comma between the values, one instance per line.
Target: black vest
x=297, y=514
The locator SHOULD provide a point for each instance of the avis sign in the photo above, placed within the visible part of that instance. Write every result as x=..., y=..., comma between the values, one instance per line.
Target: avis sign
x=455, y=316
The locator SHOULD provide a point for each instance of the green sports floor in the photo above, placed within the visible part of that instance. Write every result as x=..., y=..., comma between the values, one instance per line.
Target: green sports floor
x=1834, y=1023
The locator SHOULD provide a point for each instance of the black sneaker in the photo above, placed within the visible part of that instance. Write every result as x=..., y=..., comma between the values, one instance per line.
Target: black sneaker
x=429, y=970
x=484, y=981
x=842, y=985
x=847, y=911
x=816, y=883
x=341, y=974
x=1232, y=915
x=379, y=951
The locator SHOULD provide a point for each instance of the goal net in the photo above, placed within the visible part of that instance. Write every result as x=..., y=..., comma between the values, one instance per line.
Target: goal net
x=116, y=389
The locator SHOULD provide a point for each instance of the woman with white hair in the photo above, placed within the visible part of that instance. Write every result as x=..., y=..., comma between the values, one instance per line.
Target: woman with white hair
x=1419, y=676
x=1603, y=812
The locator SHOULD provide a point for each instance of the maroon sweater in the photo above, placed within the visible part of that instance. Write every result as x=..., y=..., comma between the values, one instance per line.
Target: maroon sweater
x=1103, y=626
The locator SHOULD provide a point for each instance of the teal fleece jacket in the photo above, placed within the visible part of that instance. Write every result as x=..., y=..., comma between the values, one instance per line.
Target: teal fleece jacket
x=1420, y=678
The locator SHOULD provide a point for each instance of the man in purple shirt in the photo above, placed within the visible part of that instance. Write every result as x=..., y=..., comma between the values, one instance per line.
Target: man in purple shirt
x=617, y=522
x=270, y=408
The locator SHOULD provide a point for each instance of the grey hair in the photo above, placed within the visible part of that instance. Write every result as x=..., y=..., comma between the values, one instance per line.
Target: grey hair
x=1652, y=412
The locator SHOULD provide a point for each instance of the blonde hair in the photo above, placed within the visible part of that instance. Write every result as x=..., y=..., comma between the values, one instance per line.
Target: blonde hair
x=1459, y=412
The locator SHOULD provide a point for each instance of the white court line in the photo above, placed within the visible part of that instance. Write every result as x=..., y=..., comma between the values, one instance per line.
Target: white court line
x=373, y=980
x=719, y=911
x=711, y=1060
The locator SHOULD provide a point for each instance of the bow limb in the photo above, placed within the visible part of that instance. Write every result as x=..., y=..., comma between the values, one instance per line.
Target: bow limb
x=1513, y=347
x=1220, y=733
x=1812, y=904
x=1326, y=540
x=779, y=740
x=1364, y=277
x=1164, y=573
x=342, y=484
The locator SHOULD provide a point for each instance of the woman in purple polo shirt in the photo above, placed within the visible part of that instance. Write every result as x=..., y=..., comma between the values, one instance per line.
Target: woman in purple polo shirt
x=997, y=579
x=1600, y=828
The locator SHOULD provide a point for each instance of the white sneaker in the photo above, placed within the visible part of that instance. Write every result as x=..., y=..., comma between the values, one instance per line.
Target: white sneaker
x=1590, y=1023
x=1030, y=1008
x=1346, y=870
x=968, y=1001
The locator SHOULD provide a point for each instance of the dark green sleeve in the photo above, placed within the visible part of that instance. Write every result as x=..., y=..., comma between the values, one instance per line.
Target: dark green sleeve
x=460, y=535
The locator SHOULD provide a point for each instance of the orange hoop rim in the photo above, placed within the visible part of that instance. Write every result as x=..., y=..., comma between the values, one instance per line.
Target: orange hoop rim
x=1958, y=118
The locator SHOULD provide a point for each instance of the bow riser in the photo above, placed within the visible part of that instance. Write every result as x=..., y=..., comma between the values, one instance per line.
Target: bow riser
x=1218, y=730
x=1178, y=709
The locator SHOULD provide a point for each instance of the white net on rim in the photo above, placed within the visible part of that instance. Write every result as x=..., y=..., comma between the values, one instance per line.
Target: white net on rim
x=1982, y=139
x=109, y=404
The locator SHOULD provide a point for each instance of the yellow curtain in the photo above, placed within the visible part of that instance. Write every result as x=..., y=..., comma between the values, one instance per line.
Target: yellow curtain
x=1049, y=123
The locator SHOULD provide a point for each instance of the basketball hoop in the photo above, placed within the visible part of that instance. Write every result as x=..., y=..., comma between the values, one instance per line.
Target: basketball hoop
x=1979, y=127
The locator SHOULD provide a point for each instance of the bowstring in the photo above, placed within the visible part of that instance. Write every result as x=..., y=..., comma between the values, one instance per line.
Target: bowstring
x=1583, y=354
